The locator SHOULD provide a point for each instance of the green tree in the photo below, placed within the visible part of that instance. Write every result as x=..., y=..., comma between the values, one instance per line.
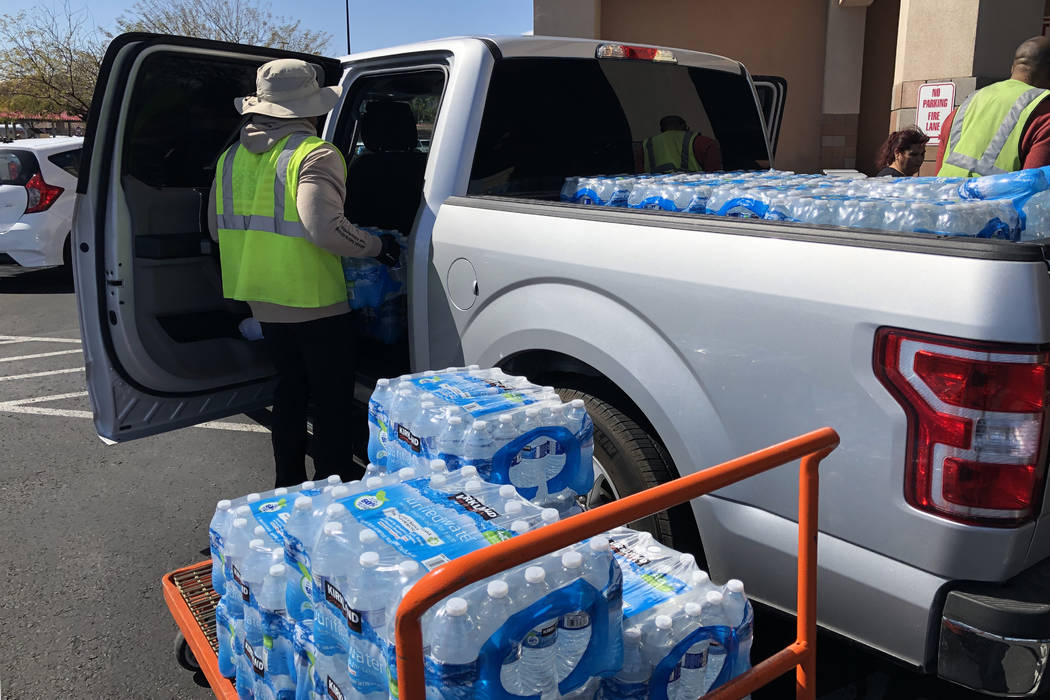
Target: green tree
x=234, y=21
x=51, y=60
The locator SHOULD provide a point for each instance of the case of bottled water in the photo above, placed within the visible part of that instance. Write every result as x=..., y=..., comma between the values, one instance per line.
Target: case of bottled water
x=1011, y=206
x=512, y=431
x=376, y=293
x=683, y=635
x=313, y=576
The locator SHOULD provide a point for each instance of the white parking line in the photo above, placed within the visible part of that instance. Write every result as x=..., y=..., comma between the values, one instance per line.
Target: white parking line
x=243, y=427
x=5, y=339
x=41, y=411
x=42, y=399
x=24, y=406
x=40, y=374
x=40, y=354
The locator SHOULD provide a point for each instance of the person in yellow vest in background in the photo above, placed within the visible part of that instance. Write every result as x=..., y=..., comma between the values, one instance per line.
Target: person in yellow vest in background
x=676, y=148
x=1005, y=126
x=276, y=209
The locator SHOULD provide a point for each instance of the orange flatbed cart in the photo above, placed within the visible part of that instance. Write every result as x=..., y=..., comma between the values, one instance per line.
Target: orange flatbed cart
x=192, y=601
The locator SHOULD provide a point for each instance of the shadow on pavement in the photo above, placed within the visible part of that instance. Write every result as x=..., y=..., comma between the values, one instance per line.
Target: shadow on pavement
x=15, y=279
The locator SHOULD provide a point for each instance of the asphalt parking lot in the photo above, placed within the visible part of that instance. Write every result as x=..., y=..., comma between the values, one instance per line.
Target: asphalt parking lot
x=89, y=530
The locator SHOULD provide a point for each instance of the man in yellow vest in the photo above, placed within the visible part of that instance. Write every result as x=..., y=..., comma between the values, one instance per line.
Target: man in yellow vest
x=276, y=209
x=1005, y=126
x=676, y=148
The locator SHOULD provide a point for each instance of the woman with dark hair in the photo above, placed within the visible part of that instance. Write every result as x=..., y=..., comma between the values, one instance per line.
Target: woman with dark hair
x=902, y=153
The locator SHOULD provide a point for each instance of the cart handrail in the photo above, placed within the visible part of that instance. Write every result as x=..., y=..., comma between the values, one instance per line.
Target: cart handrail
x=482, y=563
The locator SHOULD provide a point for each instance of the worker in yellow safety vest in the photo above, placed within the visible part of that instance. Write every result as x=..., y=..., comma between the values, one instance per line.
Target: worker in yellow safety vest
x=276, y=210
x=1005, y=126
x=676, y=148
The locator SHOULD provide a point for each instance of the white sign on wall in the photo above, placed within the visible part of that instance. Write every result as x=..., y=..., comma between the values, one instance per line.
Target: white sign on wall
x=934, y=104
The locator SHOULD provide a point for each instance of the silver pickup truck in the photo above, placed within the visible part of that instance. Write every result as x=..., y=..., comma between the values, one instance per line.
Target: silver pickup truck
x=693, y=339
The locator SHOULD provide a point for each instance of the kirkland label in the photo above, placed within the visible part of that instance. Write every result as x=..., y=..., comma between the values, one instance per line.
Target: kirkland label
x=424, y=525
x=642, y=586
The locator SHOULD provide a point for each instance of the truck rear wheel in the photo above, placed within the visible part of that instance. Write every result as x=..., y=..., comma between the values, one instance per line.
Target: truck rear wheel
x=628, y=460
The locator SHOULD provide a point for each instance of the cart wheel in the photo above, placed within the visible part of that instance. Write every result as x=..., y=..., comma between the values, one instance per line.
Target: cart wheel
x=184, y=655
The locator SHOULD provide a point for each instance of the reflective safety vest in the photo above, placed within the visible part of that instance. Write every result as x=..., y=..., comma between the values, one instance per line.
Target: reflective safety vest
x=986, y=131
x=263, y=249
x=669, y=151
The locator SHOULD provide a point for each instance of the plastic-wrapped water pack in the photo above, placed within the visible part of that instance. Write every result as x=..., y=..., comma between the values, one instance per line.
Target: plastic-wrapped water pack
x=1012, y=206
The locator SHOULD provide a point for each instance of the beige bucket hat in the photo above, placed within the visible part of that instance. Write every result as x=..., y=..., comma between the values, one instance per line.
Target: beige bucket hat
x=288, y=88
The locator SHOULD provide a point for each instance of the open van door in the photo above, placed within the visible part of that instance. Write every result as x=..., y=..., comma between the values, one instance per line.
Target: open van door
x=772, y=95
x=161, y=345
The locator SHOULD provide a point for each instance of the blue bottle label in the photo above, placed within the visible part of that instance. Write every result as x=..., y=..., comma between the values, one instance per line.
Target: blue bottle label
x=542, y=637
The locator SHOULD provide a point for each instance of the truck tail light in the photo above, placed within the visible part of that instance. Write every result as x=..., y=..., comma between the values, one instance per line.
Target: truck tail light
x=41, y=194
x=637, y=53
x=977, y=416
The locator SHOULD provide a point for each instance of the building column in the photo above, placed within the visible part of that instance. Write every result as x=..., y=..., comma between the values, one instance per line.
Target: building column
x=843, y=77
x=579, y=18
x=969, y=43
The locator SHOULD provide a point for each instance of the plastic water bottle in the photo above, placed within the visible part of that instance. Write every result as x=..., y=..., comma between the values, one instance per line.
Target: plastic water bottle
x=298, y=530
x=658, y=645
x=712, y=615
x=574, y=628
x=404, y=406
x=225, y=634
x=538, y=670
x=597, y=565
x=329, y=563
x=449, y=442
x=478, y=448
x=236, y=549
x=866, y=214
x=252, y=665
x=555, y=460
x=1036, y=217
x=694, y=663
x=734, y=602
x=506, y=431
x=631, y=682
x=366, y=617
x=305, y=653
x=426, y=426
x=455, y=647
x=217, y=530
x=379, y=421
x=277, y=653
x=533, y=466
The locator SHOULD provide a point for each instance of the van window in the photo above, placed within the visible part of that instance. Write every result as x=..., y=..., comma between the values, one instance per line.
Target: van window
x=17, y=166
x=548, y=118
x=68, y=161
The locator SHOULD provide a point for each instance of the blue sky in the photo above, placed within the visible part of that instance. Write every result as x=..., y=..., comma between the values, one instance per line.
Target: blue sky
x=373, y=23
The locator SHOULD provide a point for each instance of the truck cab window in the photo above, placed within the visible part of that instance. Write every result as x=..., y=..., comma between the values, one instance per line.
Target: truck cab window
x=548, y=118
x=385, y=130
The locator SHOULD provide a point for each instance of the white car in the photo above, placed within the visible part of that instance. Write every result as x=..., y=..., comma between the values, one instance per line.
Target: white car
x=38, y=179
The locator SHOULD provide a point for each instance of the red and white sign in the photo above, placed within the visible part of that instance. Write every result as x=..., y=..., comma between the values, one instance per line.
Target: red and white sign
x=935, y=102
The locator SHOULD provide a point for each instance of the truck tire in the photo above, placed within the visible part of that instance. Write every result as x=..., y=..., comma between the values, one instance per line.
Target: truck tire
x=629, y=460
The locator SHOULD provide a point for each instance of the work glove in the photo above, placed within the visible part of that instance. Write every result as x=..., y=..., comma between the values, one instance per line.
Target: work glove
x=390, y=254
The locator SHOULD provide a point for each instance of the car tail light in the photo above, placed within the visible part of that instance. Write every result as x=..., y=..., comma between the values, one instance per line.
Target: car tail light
x=638, y=53
x=41, y=194
x=977, y=417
